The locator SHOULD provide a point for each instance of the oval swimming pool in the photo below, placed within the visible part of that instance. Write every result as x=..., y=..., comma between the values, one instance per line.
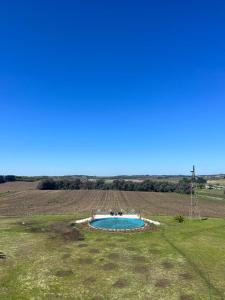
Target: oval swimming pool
x=117, y=223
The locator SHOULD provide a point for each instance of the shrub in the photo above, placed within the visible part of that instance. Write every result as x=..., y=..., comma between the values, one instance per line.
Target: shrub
x=179, y=219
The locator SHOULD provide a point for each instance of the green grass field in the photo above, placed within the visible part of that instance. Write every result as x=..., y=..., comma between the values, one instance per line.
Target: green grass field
x=179, y=261
x=213, y=194
x=218, y=181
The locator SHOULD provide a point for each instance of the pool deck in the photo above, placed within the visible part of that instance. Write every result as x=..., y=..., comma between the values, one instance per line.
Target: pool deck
x=134, y=216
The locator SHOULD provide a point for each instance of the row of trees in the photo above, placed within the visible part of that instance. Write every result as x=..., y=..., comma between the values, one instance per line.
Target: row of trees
x=7, y=178
x=122, y=185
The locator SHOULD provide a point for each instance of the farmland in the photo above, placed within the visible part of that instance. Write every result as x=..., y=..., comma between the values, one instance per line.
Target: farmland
x=22, y=198
x=218, y=181
x=212, y=193
x=17, y=186
x=176, y=261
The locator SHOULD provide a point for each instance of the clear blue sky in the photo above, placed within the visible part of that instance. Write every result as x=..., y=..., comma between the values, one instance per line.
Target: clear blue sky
x=112, y=87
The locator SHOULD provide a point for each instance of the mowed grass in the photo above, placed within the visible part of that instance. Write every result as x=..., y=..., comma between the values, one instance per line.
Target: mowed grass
x=179, y=261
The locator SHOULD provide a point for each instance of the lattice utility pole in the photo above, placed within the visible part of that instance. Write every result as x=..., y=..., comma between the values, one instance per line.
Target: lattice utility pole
x=194, y=207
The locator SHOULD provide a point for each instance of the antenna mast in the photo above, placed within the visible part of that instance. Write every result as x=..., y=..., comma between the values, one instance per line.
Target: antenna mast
x=194, y=207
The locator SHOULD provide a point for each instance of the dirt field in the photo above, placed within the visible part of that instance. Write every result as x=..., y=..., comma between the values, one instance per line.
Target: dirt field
x=17, y=186
x=22, y=198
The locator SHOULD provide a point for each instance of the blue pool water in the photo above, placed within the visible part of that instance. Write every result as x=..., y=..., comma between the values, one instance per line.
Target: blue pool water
x=117, y=223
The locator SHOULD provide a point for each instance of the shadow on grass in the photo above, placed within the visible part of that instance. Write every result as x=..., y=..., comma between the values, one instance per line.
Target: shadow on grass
x=204, y=277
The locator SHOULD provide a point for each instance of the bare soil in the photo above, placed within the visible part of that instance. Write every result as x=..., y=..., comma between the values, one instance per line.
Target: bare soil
x=90, y=279
x=109, y=267
x=85, y=261
x=113, y=256
x=17, y=186
x=120, y=283
x=142, y=269
x=2, y=255
x=94, y=250
x=22, y=198
x=63, y=273
x=139, y=258
x=186, y=276
x=167, y=265
x=82, y=245
x=58, y=229
x=162, y=283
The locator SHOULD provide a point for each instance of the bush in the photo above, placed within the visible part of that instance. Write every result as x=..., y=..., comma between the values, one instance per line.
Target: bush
x=179, y=219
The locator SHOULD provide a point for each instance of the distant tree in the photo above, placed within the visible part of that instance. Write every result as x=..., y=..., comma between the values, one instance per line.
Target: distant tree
x=2, y=179
x=10, y=178
x=61, y=184
x=88, y=185
x=46, y=184
x=99, y=184
x=119, y=184
x=147, y=185
x=183, y=187
x=185, y=180
x=129, y=186
x=201, y=180
x=76, y=184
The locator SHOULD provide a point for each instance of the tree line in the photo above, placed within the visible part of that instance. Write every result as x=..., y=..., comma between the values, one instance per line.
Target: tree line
x=183, y=186
x=6, y=178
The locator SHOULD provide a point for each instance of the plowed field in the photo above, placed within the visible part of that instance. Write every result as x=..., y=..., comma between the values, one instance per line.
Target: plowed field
x=23, y=199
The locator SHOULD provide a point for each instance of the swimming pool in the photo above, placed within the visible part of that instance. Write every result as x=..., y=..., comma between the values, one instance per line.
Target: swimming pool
x=119, y=223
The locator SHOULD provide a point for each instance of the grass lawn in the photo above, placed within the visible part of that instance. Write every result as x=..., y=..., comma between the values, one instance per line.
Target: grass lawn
x=179, y=261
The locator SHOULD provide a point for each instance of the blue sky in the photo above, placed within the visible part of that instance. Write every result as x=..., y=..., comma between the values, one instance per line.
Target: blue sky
x=112, y=87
